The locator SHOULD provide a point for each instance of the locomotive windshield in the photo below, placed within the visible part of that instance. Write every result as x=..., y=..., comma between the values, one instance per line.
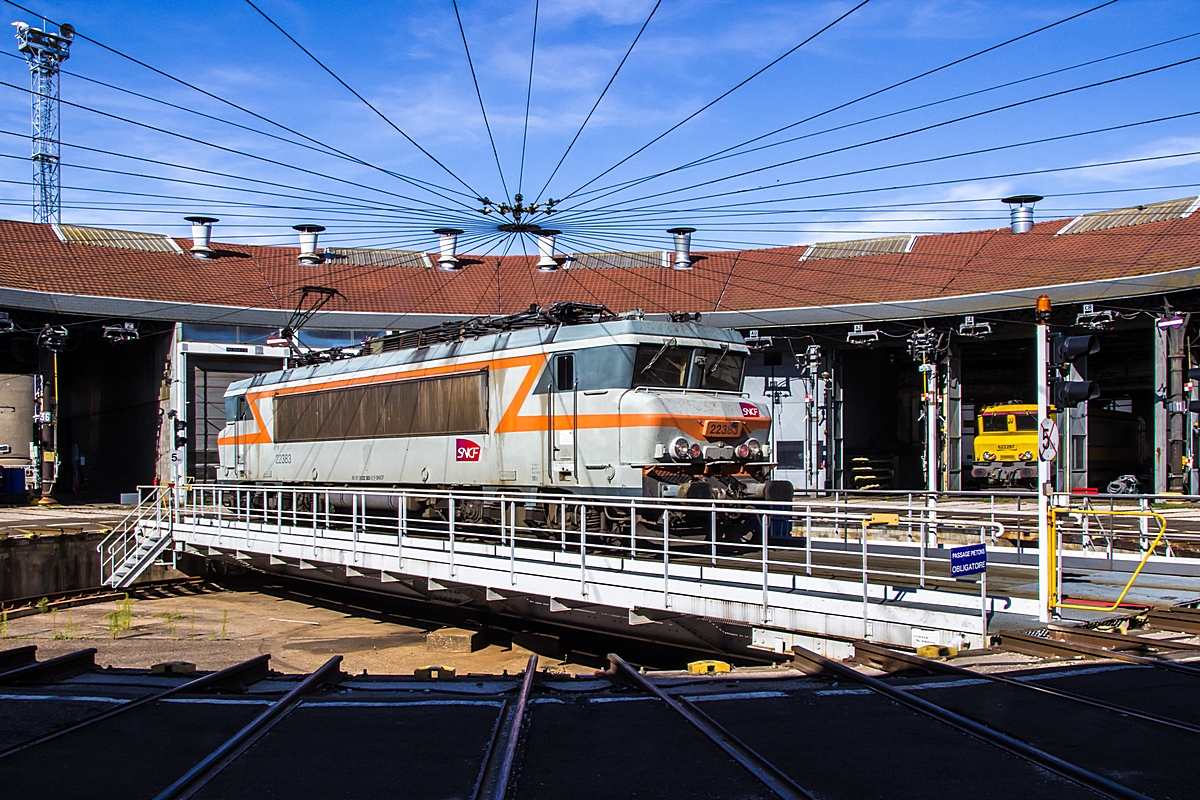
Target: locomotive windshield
x=661, y=365
x=672, y=367
x=722, y=370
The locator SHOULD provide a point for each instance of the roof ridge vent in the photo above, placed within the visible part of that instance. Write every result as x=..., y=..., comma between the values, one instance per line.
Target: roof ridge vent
x=633, y=259
x=856, y=248
x=114, y=237
x=1133, y=215
x=373, y=257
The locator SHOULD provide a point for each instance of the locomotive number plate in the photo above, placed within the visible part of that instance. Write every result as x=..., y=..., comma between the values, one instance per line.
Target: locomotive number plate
x=722, y=429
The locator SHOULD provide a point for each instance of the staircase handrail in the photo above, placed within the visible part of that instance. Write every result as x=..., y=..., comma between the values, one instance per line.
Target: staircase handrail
x=127, y=527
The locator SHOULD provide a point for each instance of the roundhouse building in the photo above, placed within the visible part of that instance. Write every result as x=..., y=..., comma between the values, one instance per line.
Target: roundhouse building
x=157, y=327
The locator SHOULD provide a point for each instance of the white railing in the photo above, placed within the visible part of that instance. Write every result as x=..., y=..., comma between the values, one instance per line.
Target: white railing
x=755, y=553
x=153, y=516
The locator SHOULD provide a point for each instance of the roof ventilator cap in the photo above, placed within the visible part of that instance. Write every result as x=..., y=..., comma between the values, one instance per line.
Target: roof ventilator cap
x=545, y=243
x=683, y=247
x=202, y=236
x=1022, y=211
x=448, y=243
x=308, y=243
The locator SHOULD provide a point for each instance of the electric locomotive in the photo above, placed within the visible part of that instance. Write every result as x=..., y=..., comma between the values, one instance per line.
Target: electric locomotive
x=564, y=400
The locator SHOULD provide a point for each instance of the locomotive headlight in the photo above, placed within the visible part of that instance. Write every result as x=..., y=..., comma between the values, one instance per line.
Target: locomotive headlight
x=742, y=451
x=694, y=452
x=989, y=456
x=680, y=449
x=1027, y=455
x=755, y=448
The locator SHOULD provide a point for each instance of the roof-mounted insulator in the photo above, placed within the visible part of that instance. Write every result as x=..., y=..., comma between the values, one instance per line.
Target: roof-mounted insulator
x=308, y=244
x=1022, y=211
x=545, y=243
x=202, y=236
x=683, y=247
x=448, y=243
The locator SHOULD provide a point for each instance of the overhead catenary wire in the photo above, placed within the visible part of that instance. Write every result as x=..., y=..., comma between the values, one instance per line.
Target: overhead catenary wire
x=890, y=87
x=142, y=159
x=934, y=126
x=218, y=98
x=927, y=184
x=718, y=99
x=364, y=100
x=479, y=94
x=231, y=150
x=313, y=148
x=528, y=97
x=596, y=105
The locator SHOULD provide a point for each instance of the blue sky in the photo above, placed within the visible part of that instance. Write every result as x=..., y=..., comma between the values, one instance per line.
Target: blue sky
x=408, y=60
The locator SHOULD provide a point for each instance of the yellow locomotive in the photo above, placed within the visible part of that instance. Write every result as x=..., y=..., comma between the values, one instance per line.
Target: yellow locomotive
x=1006, y=445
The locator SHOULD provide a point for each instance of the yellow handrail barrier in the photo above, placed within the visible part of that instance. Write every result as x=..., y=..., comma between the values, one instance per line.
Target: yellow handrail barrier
x=1055, y=601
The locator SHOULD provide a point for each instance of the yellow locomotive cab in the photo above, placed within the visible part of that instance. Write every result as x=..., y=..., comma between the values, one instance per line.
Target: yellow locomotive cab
x=1006, y=442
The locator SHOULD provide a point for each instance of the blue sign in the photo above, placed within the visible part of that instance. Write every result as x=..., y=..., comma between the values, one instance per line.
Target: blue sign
x=969, y=560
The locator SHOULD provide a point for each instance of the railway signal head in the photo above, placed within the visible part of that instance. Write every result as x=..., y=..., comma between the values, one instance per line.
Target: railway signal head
x=180, y=433
x=1069, y=394
x=1066, y=350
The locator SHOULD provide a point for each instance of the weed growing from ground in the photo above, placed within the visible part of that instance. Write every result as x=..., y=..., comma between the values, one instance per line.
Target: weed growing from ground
x=68, y=632
x=121, y=618
x=172, y=619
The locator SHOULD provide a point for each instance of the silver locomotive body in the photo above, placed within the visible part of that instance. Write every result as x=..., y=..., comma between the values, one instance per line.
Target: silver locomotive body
x=618, y=407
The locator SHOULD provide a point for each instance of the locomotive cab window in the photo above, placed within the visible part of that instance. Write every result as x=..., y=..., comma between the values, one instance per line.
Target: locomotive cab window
x=1027, y=422
x=720, y=370
x=564, y=372
x=661, y=365
x=995, y=423
x=236, y=408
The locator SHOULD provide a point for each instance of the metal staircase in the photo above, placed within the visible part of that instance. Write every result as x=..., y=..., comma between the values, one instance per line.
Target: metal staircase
x=138, y=540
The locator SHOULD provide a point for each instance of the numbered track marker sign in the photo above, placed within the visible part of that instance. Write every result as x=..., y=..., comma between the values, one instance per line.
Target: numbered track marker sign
x=968, y=560
x=1048, y=440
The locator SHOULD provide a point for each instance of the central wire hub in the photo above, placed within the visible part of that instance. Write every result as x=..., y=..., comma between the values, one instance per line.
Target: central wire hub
x=519, y=227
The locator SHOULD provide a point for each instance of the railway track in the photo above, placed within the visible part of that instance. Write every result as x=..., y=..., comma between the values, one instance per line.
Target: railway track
x=1096, y=714
x=19, y=607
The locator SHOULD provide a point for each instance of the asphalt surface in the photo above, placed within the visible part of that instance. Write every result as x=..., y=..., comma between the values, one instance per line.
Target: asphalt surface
x=602, y=736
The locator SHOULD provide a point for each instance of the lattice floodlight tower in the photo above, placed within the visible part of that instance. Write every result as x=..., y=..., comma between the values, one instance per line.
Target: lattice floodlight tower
x=45, y=53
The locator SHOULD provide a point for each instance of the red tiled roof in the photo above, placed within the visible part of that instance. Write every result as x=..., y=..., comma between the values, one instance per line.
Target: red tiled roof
x=32, y=258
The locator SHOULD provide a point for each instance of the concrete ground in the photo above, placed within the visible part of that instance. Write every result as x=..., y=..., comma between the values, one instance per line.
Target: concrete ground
x=216, y=629
x=43, y=520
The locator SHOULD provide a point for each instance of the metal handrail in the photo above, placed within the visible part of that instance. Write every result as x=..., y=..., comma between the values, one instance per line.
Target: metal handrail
x=1055, y=564
x=117, y=543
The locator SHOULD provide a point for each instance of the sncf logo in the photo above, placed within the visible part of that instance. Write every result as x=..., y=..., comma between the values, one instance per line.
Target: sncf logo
x=466, y=450
x=750, y=410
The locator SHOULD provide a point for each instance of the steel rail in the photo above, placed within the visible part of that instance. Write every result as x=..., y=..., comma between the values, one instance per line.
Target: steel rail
x=17, y=657
x=766, y=772
x=883, y=655
x=192, y=781
x=499, y=761
x=254, y=666
x=1018, y=748
x=62, y=666
x=1037, y=646
x=1184, y=620
x=1131, y=641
